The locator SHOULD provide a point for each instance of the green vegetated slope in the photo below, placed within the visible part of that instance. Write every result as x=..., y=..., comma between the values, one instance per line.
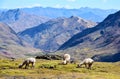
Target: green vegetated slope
x=49, y=69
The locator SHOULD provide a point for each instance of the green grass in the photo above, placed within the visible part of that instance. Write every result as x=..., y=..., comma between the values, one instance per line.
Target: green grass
x=50, y=69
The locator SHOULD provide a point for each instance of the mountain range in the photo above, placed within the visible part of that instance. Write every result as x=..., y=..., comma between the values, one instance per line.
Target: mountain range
x=49, y=36
x=102, y=40
x=60, y=31
x=23, y=18
x=93, y=14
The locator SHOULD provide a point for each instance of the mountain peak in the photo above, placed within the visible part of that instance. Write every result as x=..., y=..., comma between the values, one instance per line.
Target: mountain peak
x=74, y=16
x=11, y=15
x=113, y=17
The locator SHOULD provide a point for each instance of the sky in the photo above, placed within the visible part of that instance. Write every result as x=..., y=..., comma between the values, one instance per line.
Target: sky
x=69, y=4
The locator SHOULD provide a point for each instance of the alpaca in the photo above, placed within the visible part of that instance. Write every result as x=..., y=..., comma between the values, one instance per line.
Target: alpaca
x=27, y=62
x=87, y=62
x=66, y=59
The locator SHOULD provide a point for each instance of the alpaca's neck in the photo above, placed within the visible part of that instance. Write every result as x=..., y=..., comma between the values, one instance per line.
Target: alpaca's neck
x=82, y=63
x=25, y=62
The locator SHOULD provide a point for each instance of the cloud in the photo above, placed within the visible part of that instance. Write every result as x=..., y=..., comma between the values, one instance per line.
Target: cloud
x=34, y=5
x=57, y=6
x=67, y=6
x=29, y=6
x=62, y=6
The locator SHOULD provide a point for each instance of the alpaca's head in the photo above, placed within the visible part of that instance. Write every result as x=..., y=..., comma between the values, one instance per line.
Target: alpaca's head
x=20, y=66
x=64, y=62
x=79, y=65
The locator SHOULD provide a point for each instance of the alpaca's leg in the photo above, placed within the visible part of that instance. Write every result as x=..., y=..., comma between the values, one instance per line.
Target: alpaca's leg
x=85, y=65
x=67, y=62
x=89, y=66
x=26, y=65
x=33, y=64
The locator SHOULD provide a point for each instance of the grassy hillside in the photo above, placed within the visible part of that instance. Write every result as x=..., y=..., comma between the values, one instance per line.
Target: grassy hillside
x=43, y=70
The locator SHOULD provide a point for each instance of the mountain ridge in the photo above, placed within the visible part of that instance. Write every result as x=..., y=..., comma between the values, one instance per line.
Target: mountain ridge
x=23, y=18
x=99, y=26
x=18, y=20
x=84, y=12
x=101, y=39
x=55, y=32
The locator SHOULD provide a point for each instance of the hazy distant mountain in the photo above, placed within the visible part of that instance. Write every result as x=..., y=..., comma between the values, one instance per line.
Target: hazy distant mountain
x=21, y=19
x=101, y=39
x=11, y=45
x=96, y=15
x=18, y=20
x=51, y=35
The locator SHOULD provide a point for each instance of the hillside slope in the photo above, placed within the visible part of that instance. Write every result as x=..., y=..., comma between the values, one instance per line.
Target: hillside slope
x=101, y=39
x=11, y=45
x=51, y=35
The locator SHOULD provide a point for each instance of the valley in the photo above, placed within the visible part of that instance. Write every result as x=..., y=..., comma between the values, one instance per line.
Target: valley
x=59, y=39
x=31, y=34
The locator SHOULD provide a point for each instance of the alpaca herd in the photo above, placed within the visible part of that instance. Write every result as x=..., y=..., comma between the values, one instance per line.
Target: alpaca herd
x=66, y=59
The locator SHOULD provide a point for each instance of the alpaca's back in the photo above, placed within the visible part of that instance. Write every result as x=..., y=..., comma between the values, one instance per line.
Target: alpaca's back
x=88, y=60
x=33, y=60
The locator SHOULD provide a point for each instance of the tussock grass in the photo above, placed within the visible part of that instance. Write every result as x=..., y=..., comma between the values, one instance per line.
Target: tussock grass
x=50, y=69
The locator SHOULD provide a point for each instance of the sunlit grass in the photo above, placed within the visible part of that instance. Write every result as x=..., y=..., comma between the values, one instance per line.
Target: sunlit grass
x=51, y=69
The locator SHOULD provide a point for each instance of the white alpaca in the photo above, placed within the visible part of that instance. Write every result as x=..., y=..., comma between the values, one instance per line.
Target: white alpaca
x=27, y=62
x=66, y=58
x=87, y=62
